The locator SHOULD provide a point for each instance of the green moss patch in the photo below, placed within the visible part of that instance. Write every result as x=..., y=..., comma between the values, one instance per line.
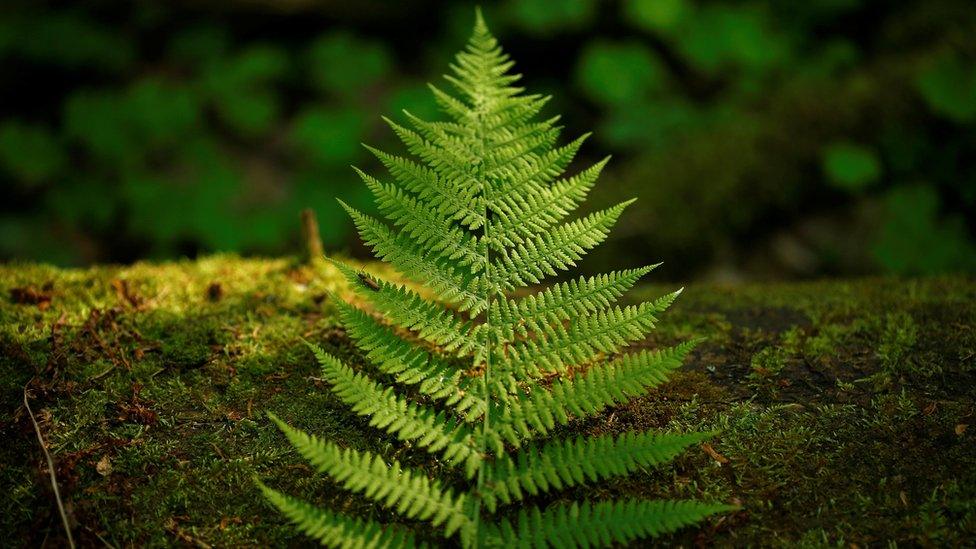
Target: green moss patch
x=844, y=408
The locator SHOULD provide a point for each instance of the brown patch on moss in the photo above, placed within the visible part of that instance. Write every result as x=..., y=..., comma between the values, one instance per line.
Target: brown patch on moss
x=29, y=295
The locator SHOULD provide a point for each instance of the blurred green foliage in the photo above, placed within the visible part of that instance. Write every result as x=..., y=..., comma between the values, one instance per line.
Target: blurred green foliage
x=765, y=137
x=850, y=166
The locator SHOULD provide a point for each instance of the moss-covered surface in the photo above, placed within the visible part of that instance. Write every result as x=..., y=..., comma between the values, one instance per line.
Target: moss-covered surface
x=843, y=406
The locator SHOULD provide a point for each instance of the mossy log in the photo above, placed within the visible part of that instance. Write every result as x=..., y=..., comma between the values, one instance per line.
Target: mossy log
x=845, y=407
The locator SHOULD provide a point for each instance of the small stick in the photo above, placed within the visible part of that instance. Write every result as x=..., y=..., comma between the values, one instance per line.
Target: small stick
x=50, y=469
x=311, y=237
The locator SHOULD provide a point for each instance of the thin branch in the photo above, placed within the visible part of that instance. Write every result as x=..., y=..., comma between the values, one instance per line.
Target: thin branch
x=50, y=469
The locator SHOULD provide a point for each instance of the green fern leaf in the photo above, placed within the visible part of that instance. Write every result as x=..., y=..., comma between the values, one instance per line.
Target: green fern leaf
x=532, y=173
x=447, y=280
x=563, y=302
x=537, y=413
x=408, y=493
x=567, y=463
x=405, y=308
x=602, y=524
x=540, y=257
x=556, y=347
x=522, y=217
x=425, y=226
x=335, y=530
x=457, y=203
x=481, y=207
x=409, y=364
x=422, y=426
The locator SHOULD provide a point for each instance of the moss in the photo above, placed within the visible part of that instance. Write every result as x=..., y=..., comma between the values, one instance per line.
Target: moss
x=842, y=406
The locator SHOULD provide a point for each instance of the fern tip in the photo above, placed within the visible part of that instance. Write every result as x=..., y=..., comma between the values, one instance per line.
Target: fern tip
x=479, y=20
x=274, y=418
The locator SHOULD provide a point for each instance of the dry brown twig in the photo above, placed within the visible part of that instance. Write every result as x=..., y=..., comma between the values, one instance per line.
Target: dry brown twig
x=50, y=468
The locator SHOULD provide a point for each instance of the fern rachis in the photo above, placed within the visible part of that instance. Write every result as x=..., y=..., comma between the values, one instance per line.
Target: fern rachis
x=479, y=211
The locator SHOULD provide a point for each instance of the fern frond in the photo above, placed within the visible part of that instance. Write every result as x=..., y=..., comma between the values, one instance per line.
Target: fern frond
x=450, y=134
x=451, y=163
x=602, y=524
x=523, y=217
x=405, y=308
x=506, y=149
x=451, y=283
x=409, y=364
x=480, y=70
x=555, y=348
x=335, y=530
x=538, y=412
x=512, y=112
x=457, y=202
x=567, y=463
x=519, y=139
x=560, y=248
x=530, y=174
x=408, y=421
x=452, y=106
x=563, y=302
x=425, y=226
x=413, y=495
x=480, y=207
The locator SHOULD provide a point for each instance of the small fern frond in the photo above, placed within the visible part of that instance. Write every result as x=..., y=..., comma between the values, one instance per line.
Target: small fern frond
x=425, y=226
x=450, y=105
x=558, y=249
x=520, y=218
x=567, y=463
x=555, y=348
x=450, y=282
x=409, y=364
x=405, y=308
x=335, y=530
x=396, y=415
x=411, y=494
x=538, y=413
x=454, y=201
x=563, y=301
x=451, y=164
x=532, y=173
x=512, y=112
x=602, y=524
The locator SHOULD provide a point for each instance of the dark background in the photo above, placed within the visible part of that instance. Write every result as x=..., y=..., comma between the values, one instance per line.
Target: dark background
x=764, y=139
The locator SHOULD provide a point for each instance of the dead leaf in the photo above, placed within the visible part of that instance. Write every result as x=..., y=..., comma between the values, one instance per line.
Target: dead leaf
x=713, y=454
x=104, y=466
x=30, y=295
x=961, y=428
x=124, y=293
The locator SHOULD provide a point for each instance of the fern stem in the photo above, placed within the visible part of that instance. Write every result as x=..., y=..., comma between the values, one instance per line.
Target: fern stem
x=483, y=471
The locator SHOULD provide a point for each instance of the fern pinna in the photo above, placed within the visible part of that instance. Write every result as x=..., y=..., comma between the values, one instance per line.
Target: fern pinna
x=479, y=212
